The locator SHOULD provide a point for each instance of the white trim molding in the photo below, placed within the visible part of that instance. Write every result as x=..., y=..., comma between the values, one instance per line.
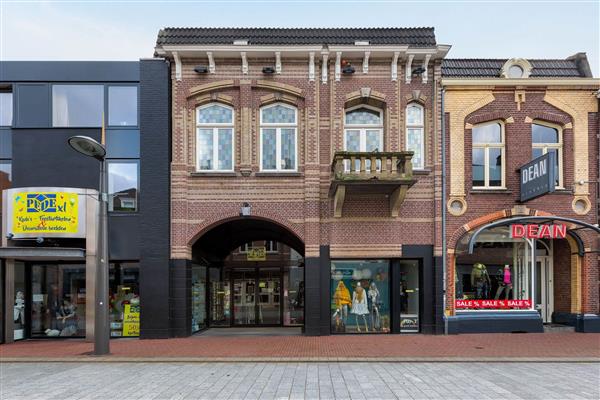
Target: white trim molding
x=395, y=66
x=244, y=62
x=311, y=66
x=211, y=62
x=277, y=62
x=522, y=63
x=325, y=55
x=177, y=65
x=426, y=66
x=366, y=62
x=338, y=66
x=408, y=76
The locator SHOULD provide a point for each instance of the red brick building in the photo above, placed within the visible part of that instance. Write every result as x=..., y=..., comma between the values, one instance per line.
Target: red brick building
x=499, y=115
x=325, y=140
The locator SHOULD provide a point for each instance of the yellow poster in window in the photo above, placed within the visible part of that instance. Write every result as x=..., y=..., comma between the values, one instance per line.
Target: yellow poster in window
x=45, y=212
x=131, y=320
x=256, y=254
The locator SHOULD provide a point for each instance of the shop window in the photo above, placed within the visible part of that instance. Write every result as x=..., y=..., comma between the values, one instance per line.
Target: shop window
x=415, y=136
x=214, y=138
x=122, y=105
x=19, y=307
x=278, y=138
x=199, y=320
x=123, y=185
x=363, y=131
x=124, y=299
x=220, y=297
x=360, y=297
x=77, y=105
x=57, y=300
x=497, y=275
x=293, y=290
x=6, y=108
x=271, y=246
x=544, y=139
x=488, y=156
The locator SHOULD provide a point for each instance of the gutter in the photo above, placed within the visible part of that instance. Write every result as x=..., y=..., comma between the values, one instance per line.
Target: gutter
x=444, y=213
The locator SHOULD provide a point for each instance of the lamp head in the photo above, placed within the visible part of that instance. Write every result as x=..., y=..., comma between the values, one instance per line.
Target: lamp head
x=87, y=146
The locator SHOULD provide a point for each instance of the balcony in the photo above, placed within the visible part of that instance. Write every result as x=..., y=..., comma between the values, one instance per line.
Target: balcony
x=388, y=173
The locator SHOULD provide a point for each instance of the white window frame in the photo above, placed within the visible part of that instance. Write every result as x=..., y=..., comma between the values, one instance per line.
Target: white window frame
x=363, y=128
x=545, y=146
x=271, y=246
x=278, y=127
x=215, y=130
x=421, y=126
x=244, y=248
x=486, y=147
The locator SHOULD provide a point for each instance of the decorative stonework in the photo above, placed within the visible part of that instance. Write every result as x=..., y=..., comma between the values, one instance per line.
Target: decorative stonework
x=516, y=62
x=581, y=205
x=282, y=87
x=196, y=90
x=456, y=206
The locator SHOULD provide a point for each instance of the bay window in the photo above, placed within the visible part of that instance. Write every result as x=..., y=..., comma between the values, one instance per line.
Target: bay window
x=488, y=156
x=214, y=138
x=278, y=138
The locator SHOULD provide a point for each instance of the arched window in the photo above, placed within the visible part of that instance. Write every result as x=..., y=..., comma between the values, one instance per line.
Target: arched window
x=546, y=138
x=363, y=131
x=214, y=138
x=278, y=138
x=488, y=155
x=415, y=134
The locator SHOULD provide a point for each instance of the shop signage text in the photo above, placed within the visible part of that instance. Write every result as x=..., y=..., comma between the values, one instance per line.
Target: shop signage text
x=45, y=212
x=131, y=320
x=256, y=254
x=535, y=231
x=493, y=303
x=537, y=177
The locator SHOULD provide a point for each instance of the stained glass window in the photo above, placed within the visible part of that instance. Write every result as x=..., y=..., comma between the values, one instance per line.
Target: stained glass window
x=278, y=114
x=278, y=138
x=214, y=142
x=363, y=116
x=415, y=134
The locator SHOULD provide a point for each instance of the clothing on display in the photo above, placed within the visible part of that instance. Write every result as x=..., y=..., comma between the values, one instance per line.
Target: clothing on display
x=480, y=279
x=505, y=284
x=374, y=298
x=359, y=306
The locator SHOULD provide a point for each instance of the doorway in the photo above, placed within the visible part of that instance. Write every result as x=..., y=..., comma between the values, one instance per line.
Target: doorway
x=544, y=287
x=256, y=296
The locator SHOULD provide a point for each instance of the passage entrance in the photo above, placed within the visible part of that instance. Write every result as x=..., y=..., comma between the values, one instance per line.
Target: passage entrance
x=257, y=296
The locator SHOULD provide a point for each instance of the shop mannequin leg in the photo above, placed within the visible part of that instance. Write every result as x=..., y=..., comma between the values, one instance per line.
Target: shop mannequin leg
x=499, y=292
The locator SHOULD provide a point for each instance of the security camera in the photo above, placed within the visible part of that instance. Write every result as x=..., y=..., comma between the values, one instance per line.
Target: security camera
x=39, y=240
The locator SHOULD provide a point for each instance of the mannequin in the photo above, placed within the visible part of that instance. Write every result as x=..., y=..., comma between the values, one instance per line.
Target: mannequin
x=19, y=308
x=374, y=296
x=505, y=284
x=359, y=306
x=341, y=299
x=480, y=280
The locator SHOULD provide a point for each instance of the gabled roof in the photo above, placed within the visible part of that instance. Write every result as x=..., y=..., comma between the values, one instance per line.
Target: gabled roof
x=416, y=37
x=576, y=66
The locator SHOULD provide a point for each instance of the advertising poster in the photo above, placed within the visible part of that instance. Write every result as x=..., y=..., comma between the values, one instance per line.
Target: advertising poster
x=45, y=212
x=131, y=320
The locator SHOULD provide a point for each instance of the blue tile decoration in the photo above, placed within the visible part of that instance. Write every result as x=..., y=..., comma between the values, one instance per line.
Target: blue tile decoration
x=215, y=114
x=414, y=142
x=363, y=116
x=225, y=150
x=205, y=149
x=269, y=152
x=288, y=148
x=278, y=114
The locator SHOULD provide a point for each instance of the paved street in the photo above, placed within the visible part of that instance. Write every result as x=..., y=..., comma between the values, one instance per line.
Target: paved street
x=352, y=380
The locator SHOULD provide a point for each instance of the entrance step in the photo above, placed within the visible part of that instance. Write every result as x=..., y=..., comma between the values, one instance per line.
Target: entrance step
x=555, y=328
x=252, y=331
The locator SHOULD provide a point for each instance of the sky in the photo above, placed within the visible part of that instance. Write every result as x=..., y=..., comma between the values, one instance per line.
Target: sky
x=126, y=29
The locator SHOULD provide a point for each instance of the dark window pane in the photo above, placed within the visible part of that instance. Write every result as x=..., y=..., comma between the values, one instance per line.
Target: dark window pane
x=5, y=143
x=5, y=182
x=478, y=167
x=122, y=105
x=536, y=152
x=6, y=109
x=77, y=105
x=123, y=185
x=495, y=157
x=491, y=133
x=123, y=143
x=556, y=168
x=543, y=134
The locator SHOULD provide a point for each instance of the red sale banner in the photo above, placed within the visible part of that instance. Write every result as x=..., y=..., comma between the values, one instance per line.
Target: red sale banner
x=493, y=303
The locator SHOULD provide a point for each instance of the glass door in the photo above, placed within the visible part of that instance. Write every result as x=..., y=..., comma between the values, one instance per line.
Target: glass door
x=409, y=295
x=544, y=288
x=244, y=297
x=269, y=297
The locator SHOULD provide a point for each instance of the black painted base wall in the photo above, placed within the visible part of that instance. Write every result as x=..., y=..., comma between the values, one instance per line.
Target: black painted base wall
x=581, y=322
x=495, y=322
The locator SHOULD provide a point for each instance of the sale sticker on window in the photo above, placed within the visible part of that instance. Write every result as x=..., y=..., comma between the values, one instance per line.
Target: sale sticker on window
x=493, y=303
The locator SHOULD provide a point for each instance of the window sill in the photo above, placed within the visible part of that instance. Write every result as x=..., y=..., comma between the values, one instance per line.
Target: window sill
x=214, y=174
x=423, y=171
x=562, y=191
x=286, y=174
x=491, y=191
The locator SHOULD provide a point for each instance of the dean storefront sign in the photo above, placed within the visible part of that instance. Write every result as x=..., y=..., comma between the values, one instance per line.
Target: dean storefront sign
x=45, y=212
x=535, y=231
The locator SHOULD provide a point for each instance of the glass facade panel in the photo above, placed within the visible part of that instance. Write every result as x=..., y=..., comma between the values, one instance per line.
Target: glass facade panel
x=19, y=308
x=199, y=320
x=215, y=114
x=288, y=148
x=6, y=108
x=244, y=297
x=5, y=143
x=123, y=185
x=57, y=300
x=278, y=114
x=122, y=143
x=490, y=133
x=478, y=167
x=225, y=149
x=269, y=148
x=360, y=296
x=363, y=116
x=543, y=134
x=77, y=105
x=124, y=299
x=219, y=297
x=123, y=105
x=495, y=168
x=269, y=296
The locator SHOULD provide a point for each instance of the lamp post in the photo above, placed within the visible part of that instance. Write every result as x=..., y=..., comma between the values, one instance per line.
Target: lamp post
x=91, y=148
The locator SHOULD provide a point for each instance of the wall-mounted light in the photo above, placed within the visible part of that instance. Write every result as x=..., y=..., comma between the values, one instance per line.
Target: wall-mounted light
x=268, y=70
x=348, y=70
x=201, y=69
x=246, y=210
x=418, y=71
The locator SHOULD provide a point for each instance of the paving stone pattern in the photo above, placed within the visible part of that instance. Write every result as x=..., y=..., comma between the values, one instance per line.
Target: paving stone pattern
x=356, y=380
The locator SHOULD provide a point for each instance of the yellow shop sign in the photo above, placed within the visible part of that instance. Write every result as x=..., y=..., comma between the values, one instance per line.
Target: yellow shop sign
x=45, y=212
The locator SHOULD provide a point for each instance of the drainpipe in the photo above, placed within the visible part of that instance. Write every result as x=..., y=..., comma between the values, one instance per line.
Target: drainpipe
x=444, y=252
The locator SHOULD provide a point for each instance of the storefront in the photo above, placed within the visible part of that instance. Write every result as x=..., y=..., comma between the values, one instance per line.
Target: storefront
x=520, y=274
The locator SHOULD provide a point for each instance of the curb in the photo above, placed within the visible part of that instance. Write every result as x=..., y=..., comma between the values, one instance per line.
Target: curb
x=117, y=359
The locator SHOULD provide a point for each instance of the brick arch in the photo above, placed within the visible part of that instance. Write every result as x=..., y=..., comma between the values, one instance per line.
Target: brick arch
x=474, y=119
x=553, y=118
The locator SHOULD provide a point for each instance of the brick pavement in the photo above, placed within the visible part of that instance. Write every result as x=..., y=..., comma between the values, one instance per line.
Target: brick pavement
x=498, y=346
x=335, y=380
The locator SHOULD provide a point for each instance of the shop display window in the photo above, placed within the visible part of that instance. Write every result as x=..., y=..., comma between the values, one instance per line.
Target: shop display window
x=57, y=300
x=19, y=310
x=124, y=299
x=496, y=276
x=293, y=290
x=198, y=298
x=219, y=296
x=360, y=296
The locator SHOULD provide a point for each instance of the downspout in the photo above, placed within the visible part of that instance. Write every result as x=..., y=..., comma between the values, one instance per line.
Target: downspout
x=444, y=245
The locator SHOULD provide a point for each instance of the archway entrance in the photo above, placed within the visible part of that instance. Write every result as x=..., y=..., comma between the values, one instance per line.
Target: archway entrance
x=253, y=274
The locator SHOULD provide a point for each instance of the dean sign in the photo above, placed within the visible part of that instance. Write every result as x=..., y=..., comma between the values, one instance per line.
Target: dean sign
x=537, y=177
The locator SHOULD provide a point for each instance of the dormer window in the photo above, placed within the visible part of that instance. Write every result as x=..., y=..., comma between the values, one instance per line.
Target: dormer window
x=516, y=68
x=515, y=71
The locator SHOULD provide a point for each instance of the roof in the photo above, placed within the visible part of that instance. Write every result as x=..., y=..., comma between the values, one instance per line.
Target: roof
x=576, y=66
x=416, y=37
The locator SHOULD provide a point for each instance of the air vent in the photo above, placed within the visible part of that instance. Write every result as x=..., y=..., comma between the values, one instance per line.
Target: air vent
x=241, y=42
x=361, y=43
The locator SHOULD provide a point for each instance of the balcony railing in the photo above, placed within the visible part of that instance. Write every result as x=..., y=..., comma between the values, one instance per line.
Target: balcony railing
x=371, y=172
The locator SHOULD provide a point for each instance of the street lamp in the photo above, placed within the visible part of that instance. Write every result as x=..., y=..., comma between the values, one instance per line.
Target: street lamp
x=91, y=148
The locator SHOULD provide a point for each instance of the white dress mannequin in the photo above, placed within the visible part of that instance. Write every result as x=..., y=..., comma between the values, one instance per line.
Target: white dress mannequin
x=359, y=306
